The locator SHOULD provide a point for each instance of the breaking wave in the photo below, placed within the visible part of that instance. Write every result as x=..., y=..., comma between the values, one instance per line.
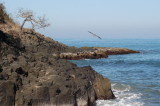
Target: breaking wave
x=124, y=97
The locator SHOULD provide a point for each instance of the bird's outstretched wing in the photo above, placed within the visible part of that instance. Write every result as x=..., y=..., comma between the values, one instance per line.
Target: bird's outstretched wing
x=94, y=35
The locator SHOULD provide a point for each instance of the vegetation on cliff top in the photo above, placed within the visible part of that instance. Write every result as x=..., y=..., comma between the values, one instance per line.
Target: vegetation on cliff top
x=4, y=17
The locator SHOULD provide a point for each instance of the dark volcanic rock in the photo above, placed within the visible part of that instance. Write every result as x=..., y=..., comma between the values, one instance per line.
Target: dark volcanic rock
x=21, y=72
x=9, y=45
x=7, y=93
x=30, y=75
x=1, y=68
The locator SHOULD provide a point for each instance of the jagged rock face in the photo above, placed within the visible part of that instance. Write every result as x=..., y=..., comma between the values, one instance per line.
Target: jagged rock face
x=31, y=75
x=9, y=45
x=7, y=93
x=35, y=42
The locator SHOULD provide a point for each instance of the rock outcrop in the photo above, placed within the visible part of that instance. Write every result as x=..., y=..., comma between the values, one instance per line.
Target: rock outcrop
x=83, y=55
x=30, y=75
x=95, y=53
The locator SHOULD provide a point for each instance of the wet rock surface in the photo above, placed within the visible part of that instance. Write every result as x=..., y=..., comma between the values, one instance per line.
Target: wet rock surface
x=30, y=75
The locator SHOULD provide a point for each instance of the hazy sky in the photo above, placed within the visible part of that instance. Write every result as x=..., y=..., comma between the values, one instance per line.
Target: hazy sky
x=106, y=18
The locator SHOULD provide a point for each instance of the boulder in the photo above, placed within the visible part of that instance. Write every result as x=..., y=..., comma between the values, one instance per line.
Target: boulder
x=7, y=93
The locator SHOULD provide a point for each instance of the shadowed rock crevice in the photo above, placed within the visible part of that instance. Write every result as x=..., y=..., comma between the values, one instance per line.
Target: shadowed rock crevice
x=11, y=41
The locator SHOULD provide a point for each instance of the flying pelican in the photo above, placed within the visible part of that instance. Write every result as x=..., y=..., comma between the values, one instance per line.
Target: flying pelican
x=95, y=35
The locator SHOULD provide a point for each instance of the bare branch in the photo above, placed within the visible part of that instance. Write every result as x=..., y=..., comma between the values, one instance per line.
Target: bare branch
x=41, y=22
x=37, y=23
x=25, y=13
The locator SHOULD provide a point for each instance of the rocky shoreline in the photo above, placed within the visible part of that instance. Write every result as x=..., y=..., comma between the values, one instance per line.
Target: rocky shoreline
x=31, y=75
x=34, y=70
x=95, y=53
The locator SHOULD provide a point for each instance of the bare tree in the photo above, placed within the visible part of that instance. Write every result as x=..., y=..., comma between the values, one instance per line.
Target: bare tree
x=39, y=22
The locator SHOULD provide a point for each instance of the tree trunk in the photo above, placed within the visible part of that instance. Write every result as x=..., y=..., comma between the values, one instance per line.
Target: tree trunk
x=23, y=24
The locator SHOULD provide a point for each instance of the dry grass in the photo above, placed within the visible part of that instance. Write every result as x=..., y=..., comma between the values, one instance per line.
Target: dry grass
x=7, y=24
x=10, y=28
x=4, y=17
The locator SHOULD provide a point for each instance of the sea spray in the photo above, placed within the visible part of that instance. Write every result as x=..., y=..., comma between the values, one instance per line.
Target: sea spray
x=124, y=97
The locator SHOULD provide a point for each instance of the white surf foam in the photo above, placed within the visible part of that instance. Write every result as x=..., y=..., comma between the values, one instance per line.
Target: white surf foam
x=87, y=59
x=124, y=97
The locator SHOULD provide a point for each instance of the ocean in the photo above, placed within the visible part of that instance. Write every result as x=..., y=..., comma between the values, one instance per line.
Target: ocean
x=135, y=78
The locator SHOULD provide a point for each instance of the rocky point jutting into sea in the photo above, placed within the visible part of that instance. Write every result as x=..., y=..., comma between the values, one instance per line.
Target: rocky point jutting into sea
x=34, y=71
x=94, y=53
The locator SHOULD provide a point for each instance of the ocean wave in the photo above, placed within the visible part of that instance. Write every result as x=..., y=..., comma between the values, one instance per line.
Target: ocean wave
x=124, y=97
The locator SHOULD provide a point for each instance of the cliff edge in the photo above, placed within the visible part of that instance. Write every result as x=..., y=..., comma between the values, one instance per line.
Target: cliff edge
x=30, y=75
x=34, y=70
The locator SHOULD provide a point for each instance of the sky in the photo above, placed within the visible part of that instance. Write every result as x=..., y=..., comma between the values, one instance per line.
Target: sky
x=106, y=18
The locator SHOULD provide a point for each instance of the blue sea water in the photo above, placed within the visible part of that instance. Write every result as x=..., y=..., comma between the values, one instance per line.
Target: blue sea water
x=135, y=78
